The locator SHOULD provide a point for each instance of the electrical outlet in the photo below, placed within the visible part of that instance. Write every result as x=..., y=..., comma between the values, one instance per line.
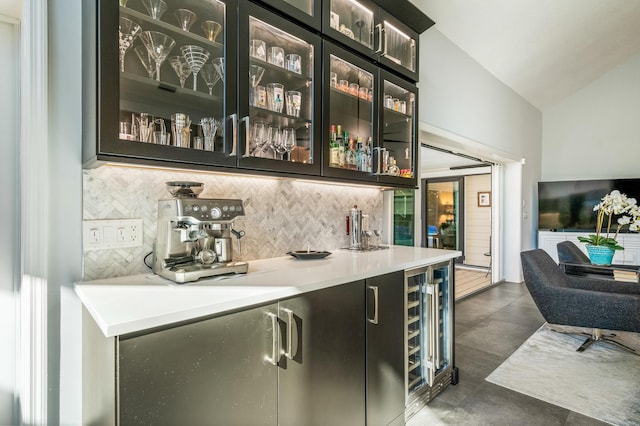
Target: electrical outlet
x=111, y=233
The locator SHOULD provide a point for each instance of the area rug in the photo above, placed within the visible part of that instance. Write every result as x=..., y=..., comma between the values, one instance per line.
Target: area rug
x=602, y=382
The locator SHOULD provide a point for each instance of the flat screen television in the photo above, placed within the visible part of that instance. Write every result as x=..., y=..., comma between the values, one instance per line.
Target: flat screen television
x=568, y=205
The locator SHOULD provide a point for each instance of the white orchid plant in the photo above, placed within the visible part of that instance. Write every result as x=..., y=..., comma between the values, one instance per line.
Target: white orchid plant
x=613, y=204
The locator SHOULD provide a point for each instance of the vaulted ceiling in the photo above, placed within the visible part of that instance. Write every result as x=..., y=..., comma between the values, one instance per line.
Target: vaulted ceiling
x=545, y=50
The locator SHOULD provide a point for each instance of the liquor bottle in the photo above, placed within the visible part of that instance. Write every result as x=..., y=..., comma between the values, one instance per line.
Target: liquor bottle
x=334, y=151
x=369, y=155
x=342, y=140
x=393, y=170
x=351, y=155
x=360, y=155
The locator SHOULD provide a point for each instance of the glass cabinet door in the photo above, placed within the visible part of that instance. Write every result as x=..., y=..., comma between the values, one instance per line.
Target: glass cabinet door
x=173, y=99
x=399, y=47
x=278, y=95
x=349, y=139
x=395, y=159
x=307, y=11
x=352, y=22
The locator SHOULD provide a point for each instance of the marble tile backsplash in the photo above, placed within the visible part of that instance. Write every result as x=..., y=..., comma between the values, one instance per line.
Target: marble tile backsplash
x=280, y=214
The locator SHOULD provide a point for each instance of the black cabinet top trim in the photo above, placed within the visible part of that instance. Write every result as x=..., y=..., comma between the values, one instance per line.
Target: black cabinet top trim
x=406, y=11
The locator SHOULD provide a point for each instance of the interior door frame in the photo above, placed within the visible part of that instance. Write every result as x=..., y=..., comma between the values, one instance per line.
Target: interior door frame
x=459, y=211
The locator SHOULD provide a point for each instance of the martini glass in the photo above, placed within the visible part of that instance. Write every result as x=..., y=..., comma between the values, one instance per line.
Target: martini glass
x=255, y=75
x=218, y=63
x=128, y=31
x=155, y=8
x=159, y=45
x=211, y=29
x=185, y=18
x=181, y=67
x=145, y=59
x=210, y=76
x=196, y=56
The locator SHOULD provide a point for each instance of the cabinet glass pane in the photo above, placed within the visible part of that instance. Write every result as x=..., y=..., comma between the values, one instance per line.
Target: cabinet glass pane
x=399, y=47
x=398, y=113
x=304, y=5
x=354, y=20
x=280, y=94
x=172, y=73
x=351, y=116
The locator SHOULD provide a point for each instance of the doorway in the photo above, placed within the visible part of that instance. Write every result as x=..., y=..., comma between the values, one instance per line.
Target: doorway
x=443, y=214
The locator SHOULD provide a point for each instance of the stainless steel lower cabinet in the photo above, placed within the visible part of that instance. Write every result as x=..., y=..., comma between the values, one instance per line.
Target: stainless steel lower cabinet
x=385, y=349
x=300, y=361
x=322, y=372
x=212, y=372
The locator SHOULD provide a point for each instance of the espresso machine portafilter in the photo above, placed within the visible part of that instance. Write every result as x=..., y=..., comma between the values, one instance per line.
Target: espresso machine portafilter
x=194, y=235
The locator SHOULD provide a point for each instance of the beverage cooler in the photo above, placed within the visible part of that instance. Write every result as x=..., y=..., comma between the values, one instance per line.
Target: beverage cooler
x=429, y=330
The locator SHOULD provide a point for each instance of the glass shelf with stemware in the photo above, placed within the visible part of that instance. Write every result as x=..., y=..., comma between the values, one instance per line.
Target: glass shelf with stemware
x=282, y=119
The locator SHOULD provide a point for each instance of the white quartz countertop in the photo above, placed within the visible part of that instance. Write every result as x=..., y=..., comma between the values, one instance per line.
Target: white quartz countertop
x=139, y=302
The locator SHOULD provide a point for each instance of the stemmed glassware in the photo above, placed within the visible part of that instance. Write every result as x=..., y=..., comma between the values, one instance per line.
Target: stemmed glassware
x=274, y=139
x=128, y=31
x=181, y=67
x=258, y=138
x=210, y=76
x=196, y=56
x=218, y=63
x=155, y=8
x=159, y=46
x=145, y=59
x=211, y=29
x=255, y=75
x=185, y=18
x=288, y=141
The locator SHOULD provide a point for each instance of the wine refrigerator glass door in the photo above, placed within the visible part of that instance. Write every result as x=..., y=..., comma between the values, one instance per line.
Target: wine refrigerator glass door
x=349, y=111
x=278, y=94
x=174, y=102
x=395, y=162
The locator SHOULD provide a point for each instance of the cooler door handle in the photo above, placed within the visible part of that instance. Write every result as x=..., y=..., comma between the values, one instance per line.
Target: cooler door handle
x=289, y=350
x=374, y=320
x=275, y=330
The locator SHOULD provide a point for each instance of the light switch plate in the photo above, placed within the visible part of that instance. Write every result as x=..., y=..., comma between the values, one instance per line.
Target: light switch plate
x=111, y=233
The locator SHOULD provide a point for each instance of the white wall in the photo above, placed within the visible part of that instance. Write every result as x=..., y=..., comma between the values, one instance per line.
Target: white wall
x=460, y=97
x=477, y=221
x=9, y=215
x=595, y=133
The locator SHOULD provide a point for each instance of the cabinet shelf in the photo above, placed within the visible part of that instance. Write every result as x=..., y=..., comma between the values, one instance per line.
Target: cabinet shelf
x=180, y=36
x=283, y=120
x=159, y=98
x=351, y=97
x=275, y=74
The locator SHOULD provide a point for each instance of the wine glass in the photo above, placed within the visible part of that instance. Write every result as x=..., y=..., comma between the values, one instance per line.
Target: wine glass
x=288, y=141
x=255, y=75
x=196, y=56
x=155, y=8
x=218, y=63
x=128, y=31
x=258, y=138
x=159, y=46
x=274, y=139
x=185, y=18
x=181, y=67
x=211, y=29
x=145, y=59
x=210, y=76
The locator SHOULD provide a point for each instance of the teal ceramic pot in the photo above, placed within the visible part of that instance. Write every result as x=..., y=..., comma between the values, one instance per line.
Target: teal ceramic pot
x=600, y=255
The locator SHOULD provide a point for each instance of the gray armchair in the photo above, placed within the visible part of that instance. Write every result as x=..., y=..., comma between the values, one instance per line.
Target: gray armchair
x=582, y=302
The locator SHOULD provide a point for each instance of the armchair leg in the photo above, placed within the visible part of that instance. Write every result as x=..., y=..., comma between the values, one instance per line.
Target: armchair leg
x=596, y=336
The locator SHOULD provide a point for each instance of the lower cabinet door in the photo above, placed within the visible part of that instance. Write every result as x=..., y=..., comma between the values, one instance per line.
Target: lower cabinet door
x=385, y=349
x=214, y=372
x=322, y=372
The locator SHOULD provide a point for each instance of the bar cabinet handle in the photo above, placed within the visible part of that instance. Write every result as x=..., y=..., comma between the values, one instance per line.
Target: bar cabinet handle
x=374, y=320
x=380, y=30
x=289, y=350
x=234, y=123
x=275, y=329
x=247, y=135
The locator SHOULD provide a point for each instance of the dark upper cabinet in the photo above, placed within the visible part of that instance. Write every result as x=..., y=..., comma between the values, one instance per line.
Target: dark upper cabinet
x=369, y=126
x=364, y=26
x=309, y=12
x=279, y=94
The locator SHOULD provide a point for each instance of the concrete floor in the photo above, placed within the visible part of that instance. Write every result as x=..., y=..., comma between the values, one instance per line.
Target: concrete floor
x=489, y=327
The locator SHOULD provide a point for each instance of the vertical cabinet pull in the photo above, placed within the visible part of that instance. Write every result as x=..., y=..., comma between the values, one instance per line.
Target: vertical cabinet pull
x=247, y=135
x=374, y=320
x=275, y=331
x=380, y=31
x=289, y=350
x=436, y=326
x=234, y=134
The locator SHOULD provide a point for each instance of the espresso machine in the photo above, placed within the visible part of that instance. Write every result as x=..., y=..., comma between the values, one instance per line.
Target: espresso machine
x=194, y=235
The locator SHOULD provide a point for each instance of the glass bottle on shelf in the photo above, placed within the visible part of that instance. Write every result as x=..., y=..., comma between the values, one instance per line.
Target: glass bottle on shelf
x=280, y=72
x=161, y=47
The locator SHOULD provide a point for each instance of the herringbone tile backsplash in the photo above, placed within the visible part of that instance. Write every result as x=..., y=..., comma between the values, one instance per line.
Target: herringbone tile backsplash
x=280, y=214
